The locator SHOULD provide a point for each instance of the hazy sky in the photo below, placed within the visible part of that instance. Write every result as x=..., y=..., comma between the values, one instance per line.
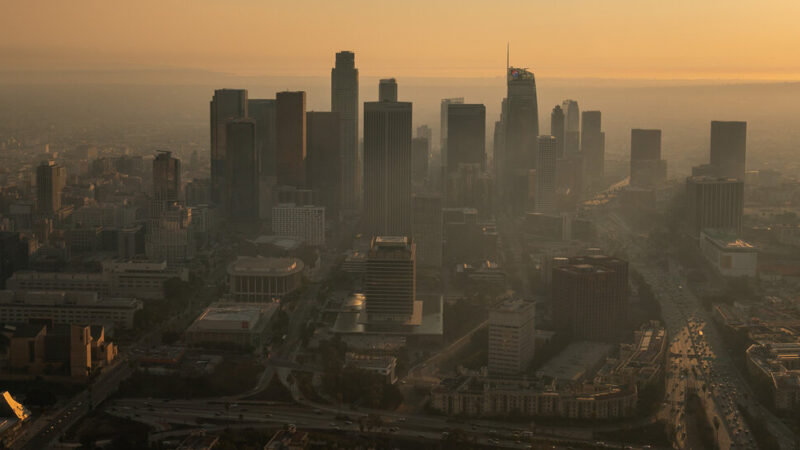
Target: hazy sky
x=730, y=39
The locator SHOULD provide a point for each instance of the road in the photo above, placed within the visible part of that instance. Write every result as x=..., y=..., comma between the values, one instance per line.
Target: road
x=162, y=415
x=697, y=356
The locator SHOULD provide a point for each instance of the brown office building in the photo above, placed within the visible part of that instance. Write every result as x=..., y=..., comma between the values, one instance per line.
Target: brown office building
x=714, y=203
x=590, y=298
x=290, y=157
x=324, y=161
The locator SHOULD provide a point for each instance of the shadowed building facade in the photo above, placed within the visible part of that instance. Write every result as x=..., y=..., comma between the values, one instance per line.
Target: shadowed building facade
x=344, y=101
x=387, y=168
x=226, y=104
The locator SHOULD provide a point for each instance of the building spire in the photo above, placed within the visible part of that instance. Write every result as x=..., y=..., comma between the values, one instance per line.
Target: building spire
x=508, y=53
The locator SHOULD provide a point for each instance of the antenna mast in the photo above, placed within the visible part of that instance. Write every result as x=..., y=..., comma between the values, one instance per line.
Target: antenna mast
x=508, y=52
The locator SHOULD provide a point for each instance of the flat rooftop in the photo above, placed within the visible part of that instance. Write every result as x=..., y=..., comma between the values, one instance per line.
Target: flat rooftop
x=259, y=266
x=233, y=316
x=576, y=361
x=727, y=240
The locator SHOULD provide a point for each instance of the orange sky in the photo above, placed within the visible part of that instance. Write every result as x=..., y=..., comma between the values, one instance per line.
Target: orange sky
x=728, y=39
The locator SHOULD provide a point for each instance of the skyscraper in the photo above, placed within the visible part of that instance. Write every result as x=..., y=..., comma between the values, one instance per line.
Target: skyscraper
x=387, y=168
x=728, y=148
x=593, y=148
x=512, y=337
x=344, y=100
x=426, y=225
x=226, y=104
x=466, y=135
x=50, y=181
x=420, y=154
x=14, y=254
x=387, y=90
x=166, y=177
x=242, y=170
x=590, y=298
x=290, y=158
x=443, y=130
x=264, y=113
x=325, y=159
x=522, y=128
x=714, y=203
x=572, y=127
x=546, y=175
x=390, y=279
x=557, y=129
x=647, y=167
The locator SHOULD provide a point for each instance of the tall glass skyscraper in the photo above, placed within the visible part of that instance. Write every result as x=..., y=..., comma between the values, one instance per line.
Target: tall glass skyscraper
x=344, y=100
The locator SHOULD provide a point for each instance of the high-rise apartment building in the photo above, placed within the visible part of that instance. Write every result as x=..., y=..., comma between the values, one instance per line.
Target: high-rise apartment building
x=50, y=181
x=426, y=229
x=390, y=280
x=714, y=203
x=512, y=337
x=546, y=174
x=466, y=135
x=728, y=148
x=557, y=123
x=647, y=167
x=324, y=160
x=593, y=148
x=344, y=101
x=387, y=168
x=226, y=104
x=590, y=298
x=290, y=153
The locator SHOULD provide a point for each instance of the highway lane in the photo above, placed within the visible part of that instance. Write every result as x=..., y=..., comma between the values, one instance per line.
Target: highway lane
x=683, y=312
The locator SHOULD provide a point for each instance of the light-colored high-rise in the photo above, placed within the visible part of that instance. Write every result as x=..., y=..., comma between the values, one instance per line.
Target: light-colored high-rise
x=512, y=337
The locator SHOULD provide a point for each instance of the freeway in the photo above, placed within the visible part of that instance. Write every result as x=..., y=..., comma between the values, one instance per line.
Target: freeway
x=699, y=350
x=162, y=415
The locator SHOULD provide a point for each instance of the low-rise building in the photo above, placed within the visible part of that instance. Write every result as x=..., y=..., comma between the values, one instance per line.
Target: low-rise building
x=486, y=397
x=382, y=365
x=259, y=279
x=67, y=307
x=37, y=349
x=728, y=254
x=119, y=278
x=777, y=365
x=240, y=324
